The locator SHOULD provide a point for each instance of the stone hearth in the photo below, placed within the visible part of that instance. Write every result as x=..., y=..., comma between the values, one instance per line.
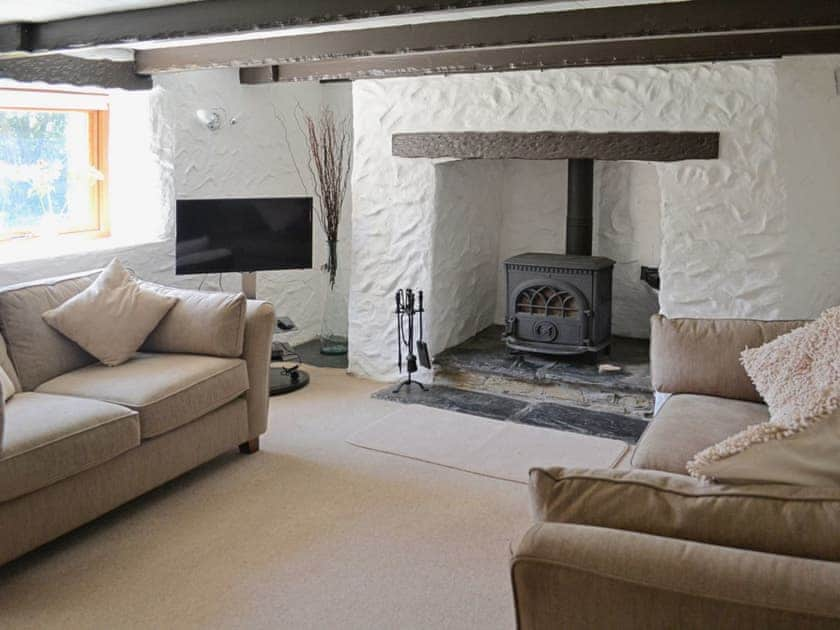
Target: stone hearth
x=484, y=364
x=541, y=414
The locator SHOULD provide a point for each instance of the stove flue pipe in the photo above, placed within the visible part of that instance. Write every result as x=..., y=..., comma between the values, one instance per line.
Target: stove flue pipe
x=579, y=208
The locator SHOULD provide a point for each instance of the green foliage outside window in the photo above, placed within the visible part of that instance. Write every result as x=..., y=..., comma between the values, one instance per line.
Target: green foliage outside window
x=45, y=171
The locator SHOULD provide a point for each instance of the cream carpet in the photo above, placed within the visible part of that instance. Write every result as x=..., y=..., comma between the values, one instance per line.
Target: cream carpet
x=502, y=450
x=309, y=533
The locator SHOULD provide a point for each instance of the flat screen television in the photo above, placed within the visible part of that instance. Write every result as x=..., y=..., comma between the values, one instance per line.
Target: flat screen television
x=224, y=235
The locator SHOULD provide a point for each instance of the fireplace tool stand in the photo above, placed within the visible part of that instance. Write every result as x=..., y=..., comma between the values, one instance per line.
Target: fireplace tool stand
x=410, y=304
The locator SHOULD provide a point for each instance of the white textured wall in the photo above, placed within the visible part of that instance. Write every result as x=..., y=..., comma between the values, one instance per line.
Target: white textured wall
x=728, y=248
x=809, y=111
x=627, y=229
x=160, y=151
x=465, y=249
x=252, y=158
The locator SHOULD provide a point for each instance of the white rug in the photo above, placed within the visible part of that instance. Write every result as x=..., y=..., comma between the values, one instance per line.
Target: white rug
x=493, y=448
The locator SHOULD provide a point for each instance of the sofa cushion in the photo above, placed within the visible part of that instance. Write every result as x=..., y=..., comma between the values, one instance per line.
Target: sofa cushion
x=168, y=390
x=112, y=317
x=49, y=438
x=39, y=352
x=687, y=424
x=772, y=518
x=702, y=356
x=201, y=322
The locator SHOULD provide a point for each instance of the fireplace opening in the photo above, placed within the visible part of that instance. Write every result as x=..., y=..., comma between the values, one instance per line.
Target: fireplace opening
x=562, y=303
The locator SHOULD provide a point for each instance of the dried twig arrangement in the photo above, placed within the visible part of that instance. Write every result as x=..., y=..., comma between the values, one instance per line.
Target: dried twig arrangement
x=329, y=163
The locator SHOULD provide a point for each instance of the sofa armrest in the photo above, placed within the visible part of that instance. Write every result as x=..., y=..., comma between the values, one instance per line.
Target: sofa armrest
x=578, y=576
x=768, y=518
x=259, y=330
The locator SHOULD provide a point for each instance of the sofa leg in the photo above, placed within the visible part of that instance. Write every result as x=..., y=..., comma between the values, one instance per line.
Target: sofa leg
x=250, y=447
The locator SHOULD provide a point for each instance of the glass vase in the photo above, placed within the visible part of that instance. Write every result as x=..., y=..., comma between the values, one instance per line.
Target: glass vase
x=334, y=314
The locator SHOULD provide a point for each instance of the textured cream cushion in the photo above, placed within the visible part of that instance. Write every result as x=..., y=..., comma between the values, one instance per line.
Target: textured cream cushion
x=799, y=376
x=794, y=372
x=167, y=390
x=37, y=351
x=50, y=438
x=779, y=519
x=202, y=322
x=112, y=317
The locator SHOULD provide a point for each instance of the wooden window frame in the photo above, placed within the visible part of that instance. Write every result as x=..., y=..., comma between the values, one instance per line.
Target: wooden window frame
x=98, y=128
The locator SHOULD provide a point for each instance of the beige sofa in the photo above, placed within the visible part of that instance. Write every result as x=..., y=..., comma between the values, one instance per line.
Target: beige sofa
x=651, y=547
x=80, y=438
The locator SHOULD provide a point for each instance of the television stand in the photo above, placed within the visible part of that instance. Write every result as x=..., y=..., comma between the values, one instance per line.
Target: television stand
x=280, y=380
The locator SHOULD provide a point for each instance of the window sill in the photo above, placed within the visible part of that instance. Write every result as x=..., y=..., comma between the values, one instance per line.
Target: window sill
x=46, y=248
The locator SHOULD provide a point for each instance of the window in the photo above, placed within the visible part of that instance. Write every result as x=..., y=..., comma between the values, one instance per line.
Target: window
x=53, y=164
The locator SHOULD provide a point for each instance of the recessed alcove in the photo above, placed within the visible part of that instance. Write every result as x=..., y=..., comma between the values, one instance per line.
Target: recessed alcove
x=500, y=194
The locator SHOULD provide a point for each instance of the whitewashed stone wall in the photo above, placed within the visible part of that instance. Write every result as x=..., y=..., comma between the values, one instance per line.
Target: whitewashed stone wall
x=728, y=248
x=252, y=158
x=464, y=249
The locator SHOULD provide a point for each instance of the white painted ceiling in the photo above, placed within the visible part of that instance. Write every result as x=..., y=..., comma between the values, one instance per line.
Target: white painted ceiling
x=45, y=10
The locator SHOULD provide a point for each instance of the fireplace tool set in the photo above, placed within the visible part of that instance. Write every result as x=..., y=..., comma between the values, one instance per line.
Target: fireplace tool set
x=410, y=305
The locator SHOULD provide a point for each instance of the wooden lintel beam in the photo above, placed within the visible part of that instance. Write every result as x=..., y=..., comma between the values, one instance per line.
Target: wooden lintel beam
x=218, y=17
x=677, y=49
x=619, y=22
x=654, y=146
x=68, y=70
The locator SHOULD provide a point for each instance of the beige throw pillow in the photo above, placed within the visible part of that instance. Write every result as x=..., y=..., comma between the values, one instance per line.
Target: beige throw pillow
x=802, y=455
x=202, y=322
x=112, y=317
x=798, y=374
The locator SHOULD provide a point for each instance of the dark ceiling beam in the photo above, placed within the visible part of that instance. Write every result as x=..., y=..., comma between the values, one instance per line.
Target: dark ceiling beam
x=67, y=70
x=675, y=49
x=15, y=37
x=697, y=17
x=217, y=17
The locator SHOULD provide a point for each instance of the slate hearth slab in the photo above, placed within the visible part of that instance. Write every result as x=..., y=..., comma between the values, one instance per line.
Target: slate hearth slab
x=460, y=400
x=550, y=415
x=577, y=420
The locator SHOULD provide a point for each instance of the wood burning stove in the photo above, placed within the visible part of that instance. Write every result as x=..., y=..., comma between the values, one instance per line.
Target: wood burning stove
x=558, y=304
x=562, y=303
